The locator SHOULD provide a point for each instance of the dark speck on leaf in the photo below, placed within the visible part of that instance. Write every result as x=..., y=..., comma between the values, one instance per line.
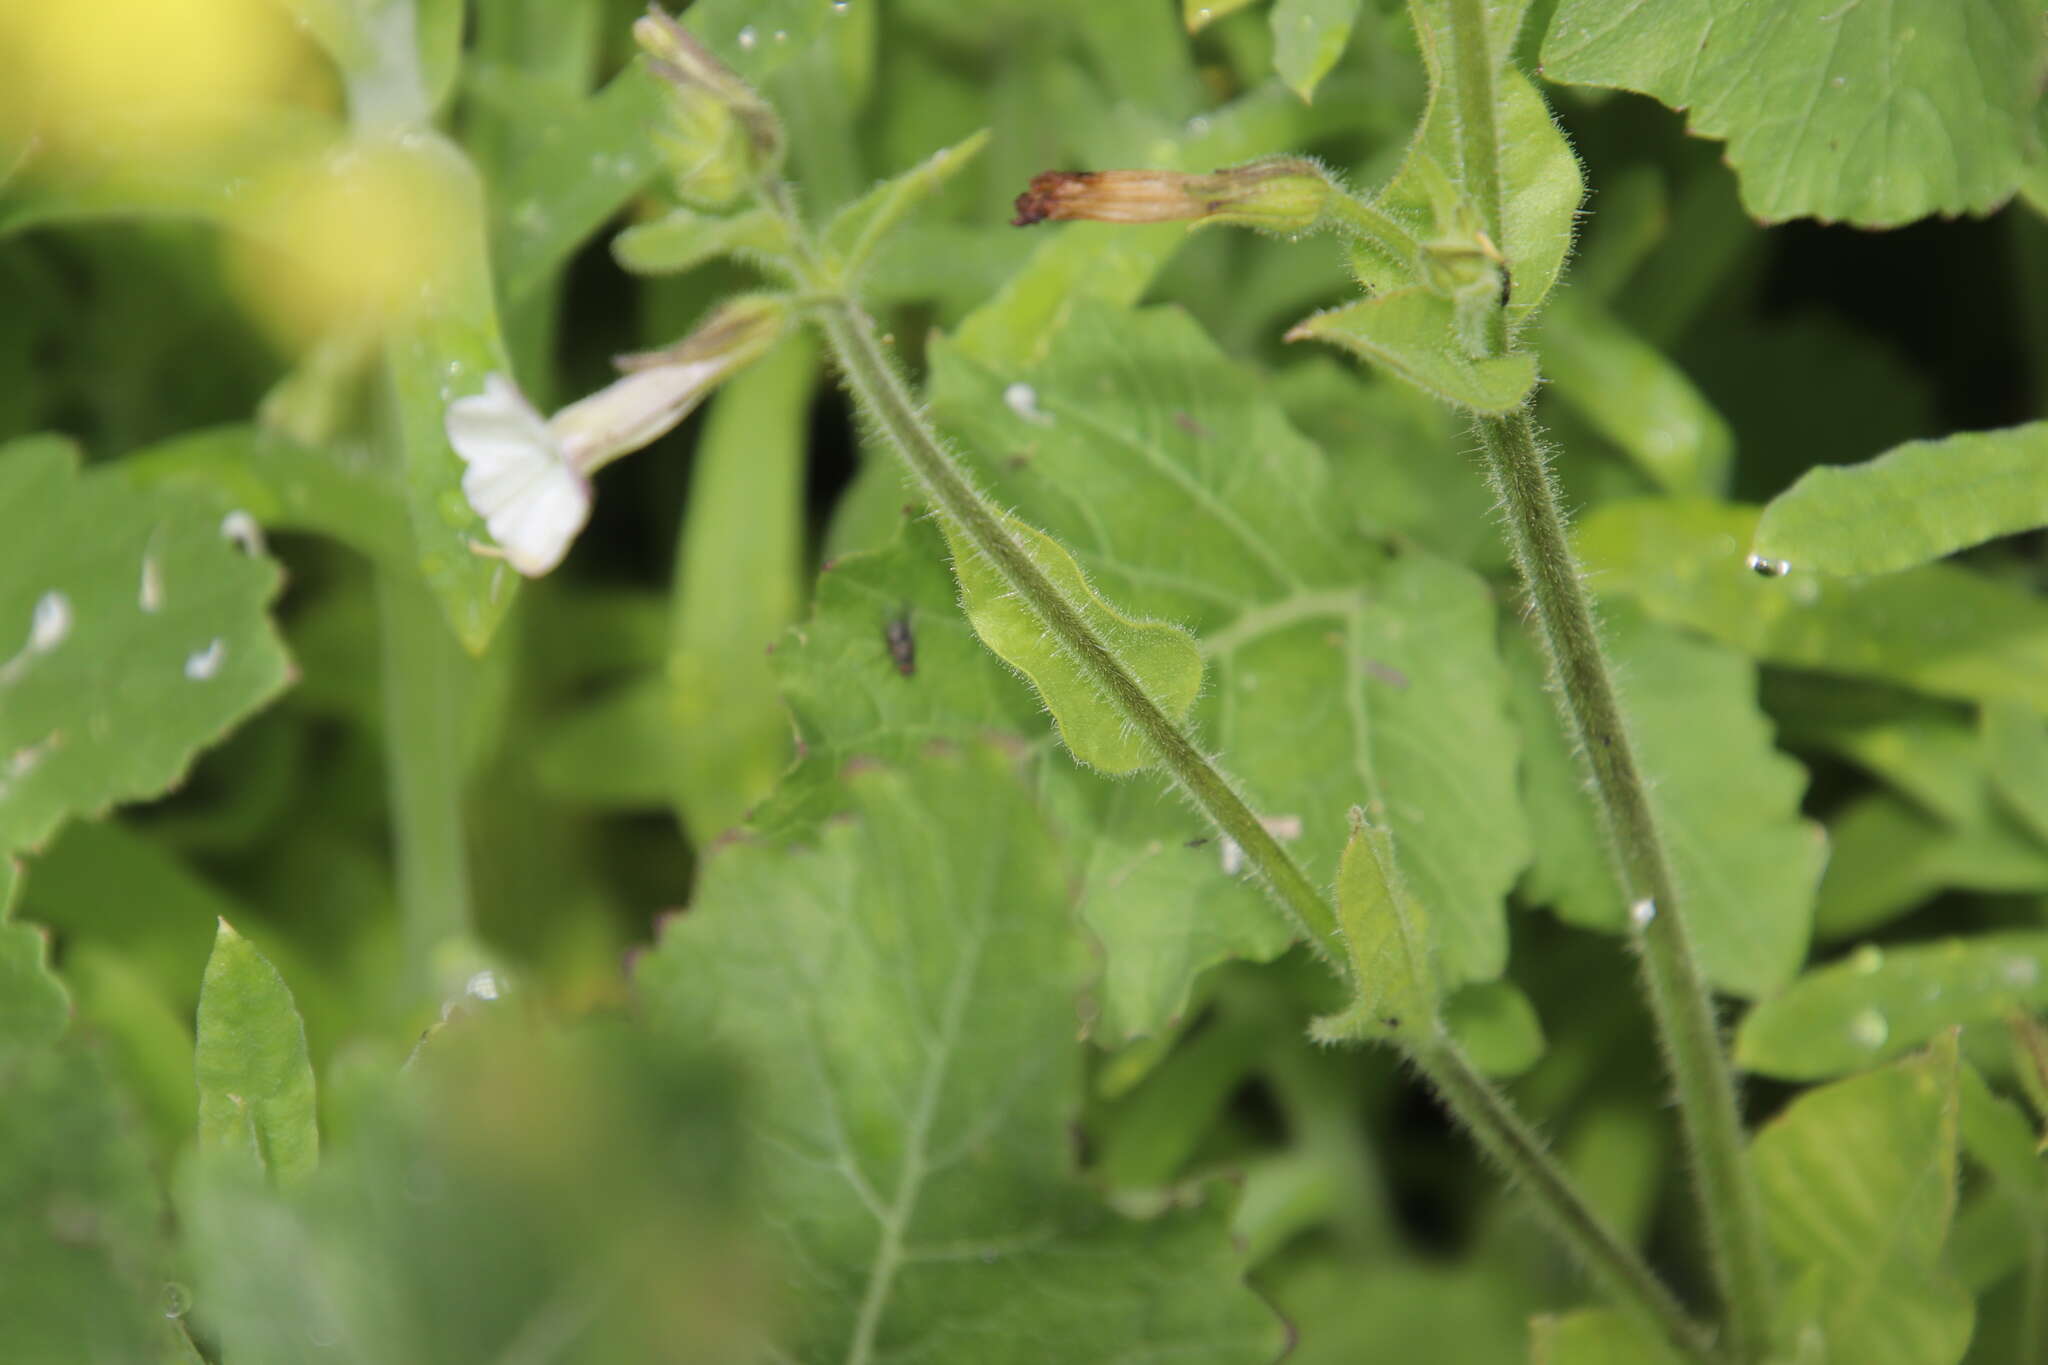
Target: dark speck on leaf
x=1192, y=427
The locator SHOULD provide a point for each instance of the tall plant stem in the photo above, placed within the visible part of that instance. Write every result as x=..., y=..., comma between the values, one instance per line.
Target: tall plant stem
x=1591, y=709
x=885, y=400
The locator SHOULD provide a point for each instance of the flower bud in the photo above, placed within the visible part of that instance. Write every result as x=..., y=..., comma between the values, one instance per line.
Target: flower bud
x=721, y=135
x=1280, y=194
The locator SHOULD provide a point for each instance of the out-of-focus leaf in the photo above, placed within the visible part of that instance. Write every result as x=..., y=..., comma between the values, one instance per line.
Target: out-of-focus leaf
x=1876, y=115
x=34, y=1008
x=1340, y=674
x=283, y=485
x=1918, y=502
x=1632, y=394
x=737, y=590
x=2015, y=740
x=1412, y=333
x=147, y=1038
x=1878, y=1004
x=859, y=228
x=1886, y=857
x=1595, y=1336
x=575, y=1194
x=684, y=239
x=906, y=986
x=1745, y=862
x=1308, y=38
x=1938, y=628
x=1921, y=747
x=1199, y=14
x=1497, y=1026
x=255, y=1080
x=1346, y=1311
x=143, y=639
x=1859, y=1184
x=621, y=749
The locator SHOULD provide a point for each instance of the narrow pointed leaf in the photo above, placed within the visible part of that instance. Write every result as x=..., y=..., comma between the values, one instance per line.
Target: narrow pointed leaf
x=1920, y=501
x=920, y=1187
x=255, y=1079
x=1386, y=933
x=859, y=228
x=1877, y=1004
x=1412, y=333
x=1308, y=38
x=135, y=635
x=1163, y=658
x=1859, y=1184
x=1869, y=114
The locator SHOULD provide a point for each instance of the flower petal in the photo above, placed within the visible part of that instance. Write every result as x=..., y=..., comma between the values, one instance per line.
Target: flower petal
x=633, y=410
x=518, y=479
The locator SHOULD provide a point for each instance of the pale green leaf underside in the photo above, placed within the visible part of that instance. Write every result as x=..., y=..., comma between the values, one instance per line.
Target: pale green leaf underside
x=1876, y=1005
x=1339, y=675
x=1412, y=333
x=1874, y=114
x=1746, y=863
x=1938, y=628
x=1858, y=1180
x=255, y=1078
x=906, y=990
x=153, y=640
x=1162, y=658
x=1308, y=38
x=1918, y=502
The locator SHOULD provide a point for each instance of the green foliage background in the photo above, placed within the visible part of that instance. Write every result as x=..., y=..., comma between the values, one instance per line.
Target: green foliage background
x=712, y=951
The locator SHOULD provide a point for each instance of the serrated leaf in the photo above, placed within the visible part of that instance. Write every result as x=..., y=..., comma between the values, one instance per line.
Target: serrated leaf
x=34, y=1007
x=1387, y=936
x=1886, y=858
x=255, y=1078
x=1340, y=674
x=1161, y=657
x=1631, y=393
x=2015, y=744
x=1859, y=1183
x=1877, y=1004
x=142, y=638
x=683, y=239
x=1914, y=503
x=1308, y=38
x=1938, y=629
x=1412, y=333
x=1746, y=863
x=906, y=988
x=1870, y=114
x=859, y=228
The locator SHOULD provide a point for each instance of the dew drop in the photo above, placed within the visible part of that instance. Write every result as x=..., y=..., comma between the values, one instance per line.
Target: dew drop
x=1869, y=1030
x=1642, y=912
x=2020, y=972
x=1768, y=568
x=1866, y=960
x=242, y=529
x=484, y=985
x=203, y=664
x=50, y=624
x=1022, y=399
x=150, y=595
x=177, y=1299
x=840, y=6
x=781, y=35
x=748, y=38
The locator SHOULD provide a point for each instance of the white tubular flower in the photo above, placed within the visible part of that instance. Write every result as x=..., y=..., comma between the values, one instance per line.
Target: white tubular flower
x=529, y=477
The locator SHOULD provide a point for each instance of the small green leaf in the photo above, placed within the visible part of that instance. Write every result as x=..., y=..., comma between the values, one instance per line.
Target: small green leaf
x=1497, y=1026
x=905, y=986
x=1914, y=503
x=2015, y=739
x=1878, y=1004
x=1412, y=333
x=1886, y=858
x=1632, y=394
x=1869, y=114
x=136, y=636
x=1746, y=863
x=683, y=239
x=1595, y=1336
x=1387, y=936
x=1308, y=38
x=1938, y=629
x=1859, y=1185
x=255, y=1079
x=860, y=227
x=1163, y=658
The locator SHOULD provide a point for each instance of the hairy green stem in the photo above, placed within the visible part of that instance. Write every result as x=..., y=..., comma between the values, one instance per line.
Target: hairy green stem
x=885, y=400
x=1677, y=990
x=423, y=683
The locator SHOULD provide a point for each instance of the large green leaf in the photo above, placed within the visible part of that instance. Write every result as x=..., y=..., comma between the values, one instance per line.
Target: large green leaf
x=906, y=986
x=1877, y=1004
x=255, y=1079
x=1859, y=1184
x=1745, y=862
x=1595, y=1336
x=1872, y=114
x=1920, y=501
x=1340, y=674
x=1938, y=629
x=142, y=633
